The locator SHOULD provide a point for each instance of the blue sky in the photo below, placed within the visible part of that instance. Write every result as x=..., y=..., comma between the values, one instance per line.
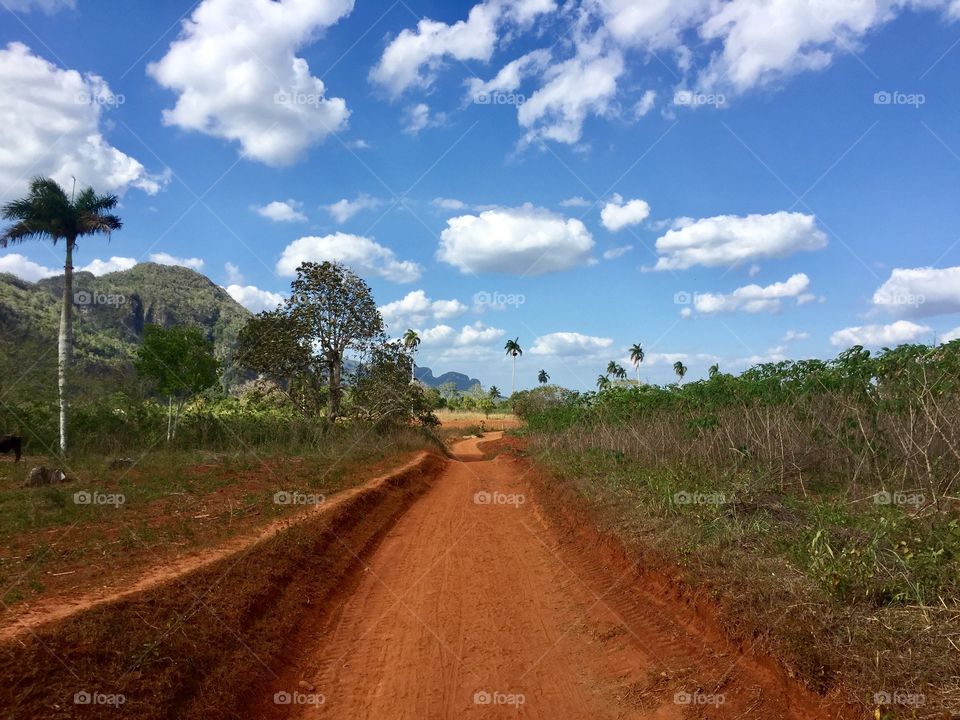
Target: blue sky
x=728, y=181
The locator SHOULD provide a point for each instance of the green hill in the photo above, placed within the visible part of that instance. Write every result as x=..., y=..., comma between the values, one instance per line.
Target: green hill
x=111, y=312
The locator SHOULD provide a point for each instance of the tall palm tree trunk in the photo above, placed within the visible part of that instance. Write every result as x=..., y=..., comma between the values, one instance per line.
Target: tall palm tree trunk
x=513, y=379
x=65, y=344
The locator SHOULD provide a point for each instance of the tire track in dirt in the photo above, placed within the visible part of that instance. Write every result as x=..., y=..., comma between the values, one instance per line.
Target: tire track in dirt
x=473, y=605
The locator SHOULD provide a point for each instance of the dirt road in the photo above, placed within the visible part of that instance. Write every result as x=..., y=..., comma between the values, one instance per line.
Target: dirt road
x=475, y=606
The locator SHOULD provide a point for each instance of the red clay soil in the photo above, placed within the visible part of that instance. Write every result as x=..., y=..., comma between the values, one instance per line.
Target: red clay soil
x=473, y=605
x=458, y=589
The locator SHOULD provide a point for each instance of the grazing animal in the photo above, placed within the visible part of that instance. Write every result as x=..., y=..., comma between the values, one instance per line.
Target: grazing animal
x=12, y=443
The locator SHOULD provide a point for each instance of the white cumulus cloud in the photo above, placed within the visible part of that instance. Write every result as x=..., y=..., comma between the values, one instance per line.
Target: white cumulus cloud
x=618, y=214
x=570, y=344
x=282, y=211
x=361, y=254
x=253, y=298
x=734, y=240
x=344, y=209
x=163, y=258
x=753, y=298
x=520, y=241
x=114, y=264
x=416, y=309
x=920, y=292
x=901, y=331
x=25, y=268
x=237, y=76
x=51, y=126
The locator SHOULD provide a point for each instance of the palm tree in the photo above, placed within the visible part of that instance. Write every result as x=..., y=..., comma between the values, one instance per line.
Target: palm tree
x=714, y=370
x=611, y=368
x=616, y=370
x=680, y=369
x=494, y=392
x=543, y=378
x=603, y=382
x=636, y=357
x=411, y=341
x=47, y=213
x=513, y=349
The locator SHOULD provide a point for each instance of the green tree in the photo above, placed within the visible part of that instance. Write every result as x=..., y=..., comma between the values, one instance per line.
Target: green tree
x=637, y=357
x=714, y=370
x=603, y=382
x=513, y=349
x=47, y=213
x=680, y=369
x=494, y=393
x=180, y=361
x=615, y=370
x=411, y=341
x=383, y=394
x=543, y=378
x=336, y=310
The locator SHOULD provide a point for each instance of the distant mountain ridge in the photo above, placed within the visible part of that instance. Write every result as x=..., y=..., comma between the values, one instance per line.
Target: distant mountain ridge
x=463, y=382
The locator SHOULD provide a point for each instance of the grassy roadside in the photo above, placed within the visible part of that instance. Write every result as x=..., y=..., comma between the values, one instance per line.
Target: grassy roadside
x=857, y=598
x=173, y=502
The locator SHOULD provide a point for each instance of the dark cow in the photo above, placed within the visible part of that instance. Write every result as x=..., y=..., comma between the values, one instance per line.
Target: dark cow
x=11, y=443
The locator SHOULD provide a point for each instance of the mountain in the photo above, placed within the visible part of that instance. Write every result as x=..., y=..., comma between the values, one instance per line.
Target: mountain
x=463, y=382
x=112, y=310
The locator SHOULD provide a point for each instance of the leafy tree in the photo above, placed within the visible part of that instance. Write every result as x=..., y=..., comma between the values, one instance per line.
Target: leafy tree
x=335, y=310
x=276, y=345
x=543, y=378
x=680, y=369
x=383, y=394
x=411, y=341
x=636, y=357
x=180, y=361
x=47, y=213
x=513, y=349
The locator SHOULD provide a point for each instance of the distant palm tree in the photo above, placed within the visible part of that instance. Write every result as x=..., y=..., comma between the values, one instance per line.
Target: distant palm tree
x=680, y=369
x=636, y=357
x=615, y=370
x=714, y=370
x=603, y=382
x=411, y=341
x=611, y=368
x=513, y=349
x=48, y=213
x=494, y=393
x=543, y=378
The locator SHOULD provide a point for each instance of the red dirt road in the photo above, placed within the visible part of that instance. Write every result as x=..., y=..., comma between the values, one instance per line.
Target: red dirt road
x=474, y=606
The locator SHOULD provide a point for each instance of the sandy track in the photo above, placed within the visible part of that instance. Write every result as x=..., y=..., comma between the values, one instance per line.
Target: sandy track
x=477, y=609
